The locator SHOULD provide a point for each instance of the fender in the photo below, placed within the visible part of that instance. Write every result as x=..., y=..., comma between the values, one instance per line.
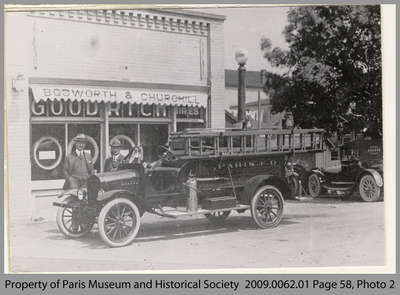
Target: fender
x=109, y=194
x=119, y=192
x=318, y=171
x=185, y=169
x=321, y=174
x=69, y=192
x=255, y=182
x=375, y=174
x=66, y=200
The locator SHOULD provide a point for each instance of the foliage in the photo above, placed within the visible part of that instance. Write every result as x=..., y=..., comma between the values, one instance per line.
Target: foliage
x=333, y=63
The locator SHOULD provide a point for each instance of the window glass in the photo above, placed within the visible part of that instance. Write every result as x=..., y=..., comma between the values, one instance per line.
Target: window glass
x=187, y=112
x=334, y=155
x=126, y=134
x=189, y=125
x=47, y=151
x=92, y=131
x=151, y=137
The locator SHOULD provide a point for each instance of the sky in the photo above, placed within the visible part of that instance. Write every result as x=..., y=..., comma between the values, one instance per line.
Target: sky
x=244, y=28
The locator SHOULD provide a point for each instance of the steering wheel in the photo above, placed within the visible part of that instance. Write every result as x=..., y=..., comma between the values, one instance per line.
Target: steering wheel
x=168, y=155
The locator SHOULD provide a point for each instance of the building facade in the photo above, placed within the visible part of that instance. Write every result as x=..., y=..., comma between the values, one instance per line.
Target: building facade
x=135, y=75
x=258, y=116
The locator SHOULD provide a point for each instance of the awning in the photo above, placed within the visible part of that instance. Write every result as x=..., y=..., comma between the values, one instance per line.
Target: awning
x=117, y=94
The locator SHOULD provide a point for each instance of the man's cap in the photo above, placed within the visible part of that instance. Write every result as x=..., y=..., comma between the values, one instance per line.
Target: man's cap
x=115, y=142
x=81, y=138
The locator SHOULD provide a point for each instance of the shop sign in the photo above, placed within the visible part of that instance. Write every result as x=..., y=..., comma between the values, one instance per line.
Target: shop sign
x=128, y=110
x=188, y=112
x=47, y=152
x=64, y=108
x=118, y=95
x=120, y=110
x=88, y=109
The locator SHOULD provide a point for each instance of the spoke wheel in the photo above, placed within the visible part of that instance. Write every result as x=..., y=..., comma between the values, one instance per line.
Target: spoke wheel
x=314, y=185
x=119, y=222
x=217, y=217
x=267, y=207
x=369, y=190
x=68, y=220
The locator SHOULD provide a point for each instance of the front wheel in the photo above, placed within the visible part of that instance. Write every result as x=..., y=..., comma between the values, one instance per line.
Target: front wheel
x=267, y=207
x=369, y=190
x=71, y=220
x=314, y=185
x=119, y=222
x=217, y=217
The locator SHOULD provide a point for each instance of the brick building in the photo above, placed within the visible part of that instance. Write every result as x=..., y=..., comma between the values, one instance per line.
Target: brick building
x=130, y=74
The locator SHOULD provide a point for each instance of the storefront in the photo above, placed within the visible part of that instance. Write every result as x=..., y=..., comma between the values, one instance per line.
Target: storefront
x=135, y=75
x=136, y=117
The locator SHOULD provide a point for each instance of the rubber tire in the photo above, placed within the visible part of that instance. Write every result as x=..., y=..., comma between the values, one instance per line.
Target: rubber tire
x=254, y=211
x=317, y=192
x=363, y=196
x=217, y=219
x=294, y=186
x=61, y=225
x=103, y=214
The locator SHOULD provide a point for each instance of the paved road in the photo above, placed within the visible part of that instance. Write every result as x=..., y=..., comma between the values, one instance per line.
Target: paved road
x=314, y=233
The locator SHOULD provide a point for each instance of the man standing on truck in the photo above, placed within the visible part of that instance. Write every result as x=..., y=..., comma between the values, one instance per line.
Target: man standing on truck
x=78, y=165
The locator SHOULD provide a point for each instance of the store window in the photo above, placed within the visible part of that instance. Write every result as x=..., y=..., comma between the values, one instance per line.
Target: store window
x=48, y=151
x=151, y=137
x=92, y=131
x=180, y=126
x=186, y=112
x=54, y=124
x=126, y=134
x=190, y=117
x=50, y=146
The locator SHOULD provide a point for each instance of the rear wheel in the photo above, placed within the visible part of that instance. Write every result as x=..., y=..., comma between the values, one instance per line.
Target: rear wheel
x=71, y=220
x=217, y=217
x=267, y=207
x=369, y=190
x=314, y=185
x=119, y=222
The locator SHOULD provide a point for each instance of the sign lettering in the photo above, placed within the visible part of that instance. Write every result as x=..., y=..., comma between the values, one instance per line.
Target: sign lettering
x=120, y=110
x=47, y=155
x=120, y=95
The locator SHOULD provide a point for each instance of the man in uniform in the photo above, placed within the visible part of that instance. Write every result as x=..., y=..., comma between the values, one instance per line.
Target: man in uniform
x=78, y=165
x=116, y=158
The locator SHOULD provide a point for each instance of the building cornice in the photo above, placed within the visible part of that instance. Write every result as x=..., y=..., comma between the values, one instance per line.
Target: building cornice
x=155, y=20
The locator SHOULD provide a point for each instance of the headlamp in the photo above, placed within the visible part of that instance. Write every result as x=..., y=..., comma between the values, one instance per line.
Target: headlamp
x=100, y=194
x=81, y=194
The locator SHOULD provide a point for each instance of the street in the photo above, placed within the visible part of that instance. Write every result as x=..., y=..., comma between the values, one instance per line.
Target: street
x=313, y=233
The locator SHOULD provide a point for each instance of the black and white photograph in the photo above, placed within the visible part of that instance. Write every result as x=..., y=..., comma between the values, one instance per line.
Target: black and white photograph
x=200, y=139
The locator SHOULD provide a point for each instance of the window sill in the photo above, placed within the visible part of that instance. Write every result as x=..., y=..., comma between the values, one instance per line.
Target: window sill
x=44, y=185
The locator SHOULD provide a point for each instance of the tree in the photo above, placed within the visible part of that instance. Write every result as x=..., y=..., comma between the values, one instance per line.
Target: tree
x=333, y=67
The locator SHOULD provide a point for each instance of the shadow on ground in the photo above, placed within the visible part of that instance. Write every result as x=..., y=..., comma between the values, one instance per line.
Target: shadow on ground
x=166, y=229
x=171, y=229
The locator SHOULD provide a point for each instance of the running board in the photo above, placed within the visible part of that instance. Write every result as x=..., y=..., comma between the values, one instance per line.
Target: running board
x=175, y=213
x=337, y=188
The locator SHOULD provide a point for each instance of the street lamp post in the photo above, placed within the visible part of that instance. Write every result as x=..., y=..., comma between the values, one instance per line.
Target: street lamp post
x=241, y=59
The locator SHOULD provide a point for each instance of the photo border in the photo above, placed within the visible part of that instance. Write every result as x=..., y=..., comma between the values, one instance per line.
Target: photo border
x=389, y=233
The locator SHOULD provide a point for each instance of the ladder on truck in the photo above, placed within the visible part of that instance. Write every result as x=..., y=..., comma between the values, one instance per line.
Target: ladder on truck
x=209, y=143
